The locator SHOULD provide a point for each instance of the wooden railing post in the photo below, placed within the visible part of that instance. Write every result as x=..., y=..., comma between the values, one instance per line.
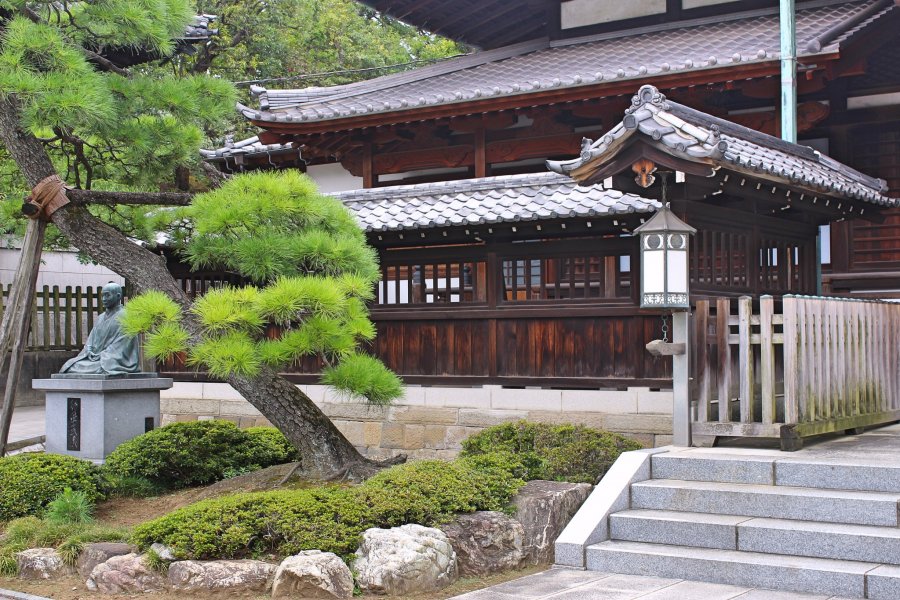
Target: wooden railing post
x=767, y=358
x=702, y=368
x=745, y=314
x=723, y=329
x=791, y=362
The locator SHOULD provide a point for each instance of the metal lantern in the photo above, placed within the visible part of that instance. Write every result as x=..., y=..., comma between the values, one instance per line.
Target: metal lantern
x=665, y=241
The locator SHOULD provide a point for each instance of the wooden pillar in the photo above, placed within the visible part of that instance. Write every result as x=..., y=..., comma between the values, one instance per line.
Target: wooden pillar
x=368, y=167
x=481, y=166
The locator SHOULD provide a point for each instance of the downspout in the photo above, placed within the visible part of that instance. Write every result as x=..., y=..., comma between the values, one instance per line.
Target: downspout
x=789, y=99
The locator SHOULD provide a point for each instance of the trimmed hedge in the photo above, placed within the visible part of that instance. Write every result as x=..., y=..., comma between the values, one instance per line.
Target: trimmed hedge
x=332, y=519
x=29, y=481
x=571, y=453
x=199, y=452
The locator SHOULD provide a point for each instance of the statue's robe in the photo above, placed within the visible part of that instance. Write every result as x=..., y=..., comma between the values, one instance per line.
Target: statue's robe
x=108, y=350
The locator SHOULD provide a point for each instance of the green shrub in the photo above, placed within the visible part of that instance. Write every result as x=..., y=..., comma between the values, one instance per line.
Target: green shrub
x=28, y=482
x=70, y=507
x=251, y=524
x=268, y=446
x=332, y=519
x=432, y=491
x=556, y=452
x=195, y=453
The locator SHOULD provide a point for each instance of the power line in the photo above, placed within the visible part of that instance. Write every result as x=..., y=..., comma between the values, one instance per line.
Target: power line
x=347, y=71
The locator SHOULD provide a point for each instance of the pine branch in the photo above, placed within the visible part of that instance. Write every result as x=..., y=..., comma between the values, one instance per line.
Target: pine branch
x=104, y=63
x=85, y=197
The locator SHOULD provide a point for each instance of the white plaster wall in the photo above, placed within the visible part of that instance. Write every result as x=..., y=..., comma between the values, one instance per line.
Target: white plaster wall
x=334, y=178
x=579, y=13
x=57, y=268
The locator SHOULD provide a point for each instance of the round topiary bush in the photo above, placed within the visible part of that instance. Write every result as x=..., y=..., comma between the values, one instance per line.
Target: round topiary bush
x=30, y=481
x=571, y=453
x=198, y=452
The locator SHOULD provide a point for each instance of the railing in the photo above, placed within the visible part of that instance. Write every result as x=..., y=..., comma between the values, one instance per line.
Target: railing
x=61, y=318
x=819, y=365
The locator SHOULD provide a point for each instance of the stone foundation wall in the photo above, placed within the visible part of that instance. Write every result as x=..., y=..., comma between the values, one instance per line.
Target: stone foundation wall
x=431, y=422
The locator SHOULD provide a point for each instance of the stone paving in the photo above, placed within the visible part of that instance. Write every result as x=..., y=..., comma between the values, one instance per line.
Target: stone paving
x=27, y=422
x=569, y=584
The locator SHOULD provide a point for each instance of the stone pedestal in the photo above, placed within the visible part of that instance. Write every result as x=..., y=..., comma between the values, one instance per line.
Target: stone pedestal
x=87, y=416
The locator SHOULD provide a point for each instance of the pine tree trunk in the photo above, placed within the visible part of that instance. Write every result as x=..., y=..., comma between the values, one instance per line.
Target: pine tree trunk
x=325, y=452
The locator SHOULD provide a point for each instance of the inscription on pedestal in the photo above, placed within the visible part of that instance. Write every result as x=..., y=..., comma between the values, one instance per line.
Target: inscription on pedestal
x=73, y=424
x=149, y=424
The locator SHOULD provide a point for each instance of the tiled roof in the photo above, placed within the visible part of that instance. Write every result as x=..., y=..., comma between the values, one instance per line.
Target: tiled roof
x=698, y=137
x=490, y=200
x=199, y=28
x=823, y=27
x=247, y=147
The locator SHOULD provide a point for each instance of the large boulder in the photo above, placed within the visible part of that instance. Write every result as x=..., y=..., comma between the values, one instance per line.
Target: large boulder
x=486, y=542
x=40, y=563
x=313, y=574
x=410, y=559
x=100, y=552
x=125, y=574
x=221, y=575
x=544, y=508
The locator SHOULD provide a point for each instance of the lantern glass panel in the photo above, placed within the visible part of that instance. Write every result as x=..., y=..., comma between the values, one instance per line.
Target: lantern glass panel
x=677, y=272
x=654, y=271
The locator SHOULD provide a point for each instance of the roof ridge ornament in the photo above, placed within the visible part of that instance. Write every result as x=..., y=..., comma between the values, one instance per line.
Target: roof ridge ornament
x=648, y=94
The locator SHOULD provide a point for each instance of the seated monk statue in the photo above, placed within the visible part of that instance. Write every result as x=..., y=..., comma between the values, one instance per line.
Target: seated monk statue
x=108, y=350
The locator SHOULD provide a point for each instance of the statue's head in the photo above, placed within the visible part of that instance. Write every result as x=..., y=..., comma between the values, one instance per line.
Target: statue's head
x=111, y=295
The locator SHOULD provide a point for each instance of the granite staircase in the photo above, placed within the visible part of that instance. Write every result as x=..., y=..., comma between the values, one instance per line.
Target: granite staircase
x=806, y=526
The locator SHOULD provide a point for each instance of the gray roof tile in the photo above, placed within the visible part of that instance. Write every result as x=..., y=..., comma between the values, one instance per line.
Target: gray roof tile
x=541, y=64
x=711, y=140
x=431, y=205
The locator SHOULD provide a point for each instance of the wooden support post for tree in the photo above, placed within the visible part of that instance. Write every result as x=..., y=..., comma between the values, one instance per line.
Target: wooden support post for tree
x=17, y=320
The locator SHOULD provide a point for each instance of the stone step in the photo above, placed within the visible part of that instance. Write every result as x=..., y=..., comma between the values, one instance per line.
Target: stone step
x=748, y=569
x=785, y=502
x=675, y=528
x=721, y=468
x=773, y=536
x=821, y=540
x=865, y=473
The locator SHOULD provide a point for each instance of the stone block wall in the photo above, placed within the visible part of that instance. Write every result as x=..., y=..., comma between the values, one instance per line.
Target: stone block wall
x=431, y=422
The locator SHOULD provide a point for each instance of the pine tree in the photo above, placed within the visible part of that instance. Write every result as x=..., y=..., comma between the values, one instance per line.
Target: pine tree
x=64, y=102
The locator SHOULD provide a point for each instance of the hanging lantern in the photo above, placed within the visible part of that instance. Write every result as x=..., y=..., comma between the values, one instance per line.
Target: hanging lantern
x=665, y=242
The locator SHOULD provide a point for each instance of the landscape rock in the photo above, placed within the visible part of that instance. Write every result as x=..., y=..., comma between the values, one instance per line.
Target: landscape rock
x=40, y=563
x=125, y=574
x=544, y=508
x=486, y=542
x=163, y=552
x=221, y=575
x=409, y=559
x=100, y=552
x=313, y=574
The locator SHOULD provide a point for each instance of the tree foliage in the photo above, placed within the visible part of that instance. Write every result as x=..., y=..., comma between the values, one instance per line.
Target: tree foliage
x=309, y=272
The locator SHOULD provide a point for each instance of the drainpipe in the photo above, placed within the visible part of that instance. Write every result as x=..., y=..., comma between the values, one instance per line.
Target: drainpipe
x=789, y=99
x=788, y=72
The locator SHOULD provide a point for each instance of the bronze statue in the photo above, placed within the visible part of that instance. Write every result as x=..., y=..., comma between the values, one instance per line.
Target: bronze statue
x=108, y=350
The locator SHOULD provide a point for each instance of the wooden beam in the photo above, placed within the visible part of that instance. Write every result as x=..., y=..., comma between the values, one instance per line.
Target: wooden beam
x=367, y=167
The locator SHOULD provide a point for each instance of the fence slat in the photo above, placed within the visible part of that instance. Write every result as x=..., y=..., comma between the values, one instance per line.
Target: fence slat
x=745, y=357
x=701, y=330
x=791, y=362
x=723, y=310
x=767, y=359
x=45, y=316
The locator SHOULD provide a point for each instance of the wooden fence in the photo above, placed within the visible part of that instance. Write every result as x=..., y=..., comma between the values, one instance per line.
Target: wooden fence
x=61, y=318
x=815, y=366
